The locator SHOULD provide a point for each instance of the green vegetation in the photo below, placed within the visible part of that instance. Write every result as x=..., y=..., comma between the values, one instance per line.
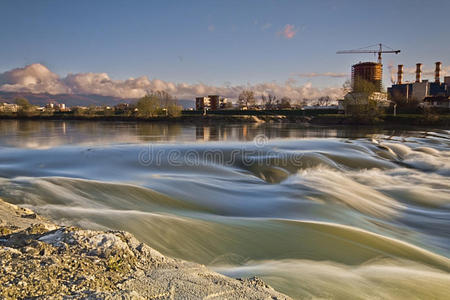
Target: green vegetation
x=360, y=105
x=148, y=106
x=156, y=104
x=23, y=103
x=25, y=108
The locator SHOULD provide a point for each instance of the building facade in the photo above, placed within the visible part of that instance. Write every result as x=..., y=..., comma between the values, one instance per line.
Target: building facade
x=212, y=102
x=420, y=89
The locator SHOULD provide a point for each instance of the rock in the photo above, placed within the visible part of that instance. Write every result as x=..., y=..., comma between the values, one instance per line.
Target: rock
x=29, y=216
x=43, y=260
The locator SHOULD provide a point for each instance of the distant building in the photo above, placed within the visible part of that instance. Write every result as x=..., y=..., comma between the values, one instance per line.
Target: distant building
x=410, y=91
x=438, y=101
x=122, y=107
x=447, y=81
x=362, y=94
x=439, y=89
x=202, y=103
x=353, y=100
x=420, y=89
x=212, y=102
x=7, y=107
x=223, y=103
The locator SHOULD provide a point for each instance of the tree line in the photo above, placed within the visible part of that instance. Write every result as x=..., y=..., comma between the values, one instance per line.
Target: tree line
x=248, y=100
x=154, y=104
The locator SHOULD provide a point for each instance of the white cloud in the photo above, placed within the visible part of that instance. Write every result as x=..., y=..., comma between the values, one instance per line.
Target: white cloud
x=34, y=77
x=37, y=78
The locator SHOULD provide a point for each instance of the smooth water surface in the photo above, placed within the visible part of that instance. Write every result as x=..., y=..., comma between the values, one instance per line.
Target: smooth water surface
x=316, y=212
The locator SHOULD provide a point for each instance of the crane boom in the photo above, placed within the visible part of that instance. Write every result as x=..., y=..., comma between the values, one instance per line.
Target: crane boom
x=379, y=51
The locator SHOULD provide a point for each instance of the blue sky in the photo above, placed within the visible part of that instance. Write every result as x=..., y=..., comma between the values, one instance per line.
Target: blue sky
x=220, y=42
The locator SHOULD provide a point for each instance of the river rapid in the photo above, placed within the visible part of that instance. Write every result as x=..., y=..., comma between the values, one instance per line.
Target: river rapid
x=316, y=212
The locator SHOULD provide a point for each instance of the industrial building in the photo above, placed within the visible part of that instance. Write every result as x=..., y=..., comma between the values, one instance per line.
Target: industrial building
x=420, y=89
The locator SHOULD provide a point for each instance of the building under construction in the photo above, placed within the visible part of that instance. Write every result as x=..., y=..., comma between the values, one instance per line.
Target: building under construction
x=370, y=72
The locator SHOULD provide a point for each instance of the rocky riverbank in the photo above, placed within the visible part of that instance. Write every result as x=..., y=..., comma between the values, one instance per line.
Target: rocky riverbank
x=39, y=259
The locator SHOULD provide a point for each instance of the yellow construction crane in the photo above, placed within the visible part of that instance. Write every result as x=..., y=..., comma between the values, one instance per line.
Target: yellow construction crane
x=378, y=51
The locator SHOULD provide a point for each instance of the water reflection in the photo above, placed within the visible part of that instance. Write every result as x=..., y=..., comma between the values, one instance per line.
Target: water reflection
x=48, y=134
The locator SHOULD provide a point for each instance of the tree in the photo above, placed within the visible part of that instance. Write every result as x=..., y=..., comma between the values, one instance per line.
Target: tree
x=25, y=107
x=364, y=86
x=269, y=102
x=304, y=102
x=324, y=101
x=285, y=103
x=174, y=110
x=148, y=106
x=347, y=87
x=92, y=110
x=165, y=99
x=247, y=99
x=24, y=104
x=361, y=104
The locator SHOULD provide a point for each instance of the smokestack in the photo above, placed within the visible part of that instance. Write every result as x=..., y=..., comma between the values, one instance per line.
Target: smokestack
x=437, y=74
x=400, y=74
x=419, y=72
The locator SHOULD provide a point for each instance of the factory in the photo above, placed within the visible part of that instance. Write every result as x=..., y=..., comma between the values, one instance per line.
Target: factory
x=434, y=93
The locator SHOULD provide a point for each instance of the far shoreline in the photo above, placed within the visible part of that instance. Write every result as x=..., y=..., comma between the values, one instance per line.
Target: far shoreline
x=253, y=117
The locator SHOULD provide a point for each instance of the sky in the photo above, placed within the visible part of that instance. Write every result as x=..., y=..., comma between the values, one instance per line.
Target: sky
x=190, y=47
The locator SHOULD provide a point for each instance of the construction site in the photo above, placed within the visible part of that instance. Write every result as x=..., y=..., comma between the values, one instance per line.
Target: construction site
x=368, y=76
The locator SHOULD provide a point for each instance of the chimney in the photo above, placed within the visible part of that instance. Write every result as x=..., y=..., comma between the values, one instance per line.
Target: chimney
x=437, y=74
x=419, y=72
x=400, y=74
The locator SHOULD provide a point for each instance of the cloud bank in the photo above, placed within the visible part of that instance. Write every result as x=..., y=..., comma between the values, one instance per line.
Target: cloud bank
x=37, y=78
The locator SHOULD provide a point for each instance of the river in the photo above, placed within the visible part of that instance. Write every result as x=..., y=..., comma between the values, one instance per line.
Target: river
x=316, y=212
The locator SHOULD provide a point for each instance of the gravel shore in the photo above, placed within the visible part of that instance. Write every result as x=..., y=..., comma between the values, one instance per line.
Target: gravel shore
x=41, y=260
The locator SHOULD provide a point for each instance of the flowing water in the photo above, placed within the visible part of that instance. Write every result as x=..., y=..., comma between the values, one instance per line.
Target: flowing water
x=316, y=212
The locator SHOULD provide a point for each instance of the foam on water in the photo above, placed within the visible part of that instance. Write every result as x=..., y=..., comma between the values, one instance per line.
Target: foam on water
x=318, y=218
